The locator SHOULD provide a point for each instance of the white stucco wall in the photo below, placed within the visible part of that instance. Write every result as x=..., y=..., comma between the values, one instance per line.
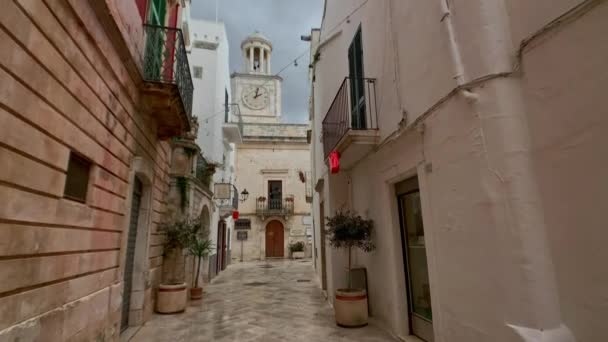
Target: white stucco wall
x=510, y=173
x=209, y=49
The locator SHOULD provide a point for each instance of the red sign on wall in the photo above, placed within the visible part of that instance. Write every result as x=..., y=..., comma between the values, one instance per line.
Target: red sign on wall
x=235, y=215
x=334, y=162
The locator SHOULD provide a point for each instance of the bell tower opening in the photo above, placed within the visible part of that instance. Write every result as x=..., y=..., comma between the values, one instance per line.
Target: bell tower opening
x=257, y=50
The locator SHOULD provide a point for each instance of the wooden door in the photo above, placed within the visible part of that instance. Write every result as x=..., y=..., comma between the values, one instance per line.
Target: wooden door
x=130, y=258
x=274, y=240
x=357, y=83
x=224, y=246
x=221, y=246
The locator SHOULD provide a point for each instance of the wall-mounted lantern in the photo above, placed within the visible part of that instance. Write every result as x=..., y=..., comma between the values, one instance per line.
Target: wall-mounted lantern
x=244, y=195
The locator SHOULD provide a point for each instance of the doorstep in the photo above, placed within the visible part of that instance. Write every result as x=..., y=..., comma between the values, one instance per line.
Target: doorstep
x=128, y=334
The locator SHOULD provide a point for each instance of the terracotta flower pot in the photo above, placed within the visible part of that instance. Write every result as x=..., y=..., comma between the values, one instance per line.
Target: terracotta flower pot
x=351, y=308
x=171, y=298
x=196, y=293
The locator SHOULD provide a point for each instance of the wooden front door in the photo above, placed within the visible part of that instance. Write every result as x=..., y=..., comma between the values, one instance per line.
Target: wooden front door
x=274, y=240
x=130, y=258
x=221, y=247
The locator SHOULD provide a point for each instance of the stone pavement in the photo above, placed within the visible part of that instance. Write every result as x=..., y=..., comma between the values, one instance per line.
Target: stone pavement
x=272, y=301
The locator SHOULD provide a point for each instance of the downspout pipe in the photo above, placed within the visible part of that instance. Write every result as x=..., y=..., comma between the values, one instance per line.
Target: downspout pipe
x=533, y=310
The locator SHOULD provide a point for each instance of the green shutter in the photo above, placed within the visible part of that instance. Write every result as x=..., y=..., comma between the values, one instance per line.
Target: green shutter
x=357, y=83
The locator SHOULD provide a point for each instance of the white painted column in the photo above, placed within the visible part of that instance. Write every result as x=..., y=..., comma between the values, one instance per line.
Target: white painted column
x=251, y=59
x=262, y=66
x=268, y=71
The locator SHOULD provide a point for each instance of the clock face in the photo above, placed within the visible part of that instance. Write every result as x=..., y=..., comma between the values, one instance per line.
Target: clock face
x=256, y=97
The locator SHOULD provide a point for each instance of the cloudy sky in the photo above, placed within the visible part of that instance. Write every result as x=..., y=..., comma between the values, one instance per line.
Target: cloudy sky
x=283, y=22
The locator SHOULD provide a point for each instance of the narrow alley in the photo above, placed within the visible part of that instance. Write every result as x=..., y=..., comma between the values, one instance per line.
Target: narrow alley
x=258, y=301
x=303, y=170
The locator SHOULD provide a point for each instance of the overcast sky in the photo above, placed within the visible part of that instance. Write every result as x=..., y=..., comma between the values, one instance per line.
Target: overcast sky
x=283, y=22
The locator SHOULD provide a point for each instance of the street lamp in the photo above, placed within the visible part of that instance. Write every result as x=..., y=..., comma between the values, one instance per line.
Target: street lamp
x=244, y=195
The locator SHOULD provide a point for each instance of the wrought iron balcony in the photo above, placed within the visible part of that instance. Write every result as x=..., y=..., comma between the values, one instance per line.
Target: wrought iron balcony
x=266, y=207
x=351, y=123
x=168, y=84
x=233, y=124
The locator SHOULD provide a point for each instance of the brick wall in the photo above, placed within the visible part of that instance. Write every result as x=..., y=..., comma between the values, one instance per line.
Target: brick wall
x=64, y=88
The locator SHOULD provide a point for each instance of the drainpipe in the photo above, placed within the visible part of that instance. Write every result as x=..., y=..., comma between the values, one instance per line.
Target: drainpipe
x=533, y=311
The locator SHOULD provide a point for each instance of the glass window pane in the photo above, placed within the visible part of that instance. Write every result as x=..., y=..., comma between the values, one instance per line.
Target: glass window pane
x=417, y=261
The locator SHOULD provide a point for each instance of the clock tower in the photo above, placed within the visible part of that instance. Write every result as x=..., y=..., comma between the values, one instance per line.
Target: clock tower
x=255, y=89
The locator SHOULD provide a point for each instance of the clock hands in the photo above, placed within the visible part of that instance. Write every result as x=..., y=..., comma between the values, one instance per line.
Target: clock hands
x=257, y=90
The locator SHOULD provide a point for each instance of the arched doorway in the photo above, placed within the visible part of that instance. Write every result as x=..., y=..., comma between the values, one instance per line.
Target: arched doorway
x=274, y=240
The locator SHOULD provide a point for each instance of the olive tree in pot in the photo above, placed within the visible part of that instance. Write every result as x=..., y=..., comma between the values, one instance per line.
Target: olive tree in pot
x=348, y=230
x=199, y=248
x=297, y=250
x=172, y=292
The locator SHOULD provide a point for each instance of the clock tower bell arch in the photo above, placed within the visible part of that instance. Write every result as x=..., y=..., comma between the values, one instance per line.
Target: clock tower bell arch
x=255, y=88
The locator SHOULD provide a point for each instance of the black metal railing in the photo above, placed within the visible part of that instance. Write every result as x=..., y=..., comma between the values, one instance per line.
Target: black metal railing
x=353, y=108
x=274, y=206
x=165, y=61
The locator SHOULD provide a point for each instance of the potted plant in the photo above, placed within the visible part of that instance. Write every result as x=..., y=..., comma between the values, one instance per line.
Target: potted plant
x=172, y=292
x=348, y=230
x=199, y=248
x=297, y=249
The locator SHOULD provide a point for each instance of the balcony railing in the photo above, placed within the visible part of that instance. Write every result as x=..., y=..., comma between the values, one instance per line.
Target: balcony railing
x=353, y=108
x=266, y=207
x=165, y=61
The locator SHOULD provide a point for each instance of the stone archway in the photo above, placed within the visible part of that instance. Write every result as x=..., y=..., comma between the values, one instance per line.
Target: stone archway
x=275, y=239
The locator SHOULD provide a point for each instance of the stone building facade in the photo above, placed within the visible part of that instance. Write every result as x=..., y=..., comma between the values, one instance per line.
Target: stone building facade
x=87, y=103
x=473, y=134
x=270, y=162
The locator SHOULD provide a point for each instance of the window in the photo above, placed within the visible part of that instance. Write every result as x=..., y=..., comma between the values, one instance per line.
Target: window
x=198, y=72
x=275, y=194
x=77, y=180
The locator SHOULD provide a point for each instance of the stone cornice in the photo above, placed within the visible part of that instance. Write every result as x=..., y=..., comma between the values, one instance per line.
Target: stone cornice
x=260, y=76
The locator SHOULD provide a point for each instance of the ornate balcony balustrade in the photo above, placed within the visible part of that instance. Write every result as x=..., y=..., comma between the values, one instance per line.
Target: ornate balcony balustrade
x=168, y=87
x=266, y=207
